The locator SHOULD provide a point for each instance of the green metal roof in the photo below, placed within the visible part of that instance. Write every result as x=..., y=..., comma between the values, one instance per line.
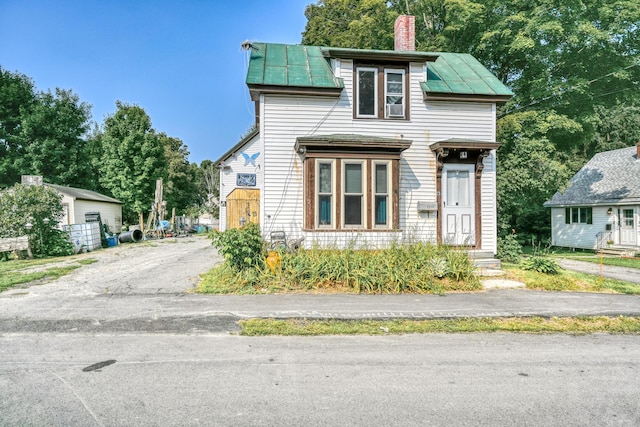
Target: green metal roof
x=308, y=67
x=462, y=74
x=290, y=65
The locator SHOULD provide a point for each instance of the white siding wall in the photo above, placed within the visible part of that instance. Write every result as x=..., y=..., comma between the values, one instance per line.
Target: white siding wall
x=234, y=165
x=284, y=118
x=578, y=235
x=110, y=213
x=584, y=236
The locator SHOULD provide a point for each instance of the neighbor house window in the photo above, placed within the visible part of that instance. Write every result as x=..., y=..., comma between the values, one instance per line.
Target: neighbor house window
x=353, y=194
x=578, y=216
x=381, y=92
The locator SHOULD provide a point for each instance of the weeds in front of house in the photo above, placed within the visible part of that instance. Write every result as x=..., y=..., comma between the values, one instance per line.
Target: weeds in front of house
x=528, y=325
x=414, y=268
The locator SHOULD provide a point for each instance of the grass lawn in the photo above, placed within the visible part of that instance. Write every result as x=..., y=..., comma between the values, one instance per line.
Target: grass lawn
x=528, y=325
x=16, y=272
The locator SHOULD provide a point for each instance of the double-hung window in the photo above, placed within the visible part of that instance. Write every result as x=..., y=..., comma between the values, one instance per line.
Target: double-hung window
x=367, y=93
x=380, y=92
x=394, y=93
x=353, y=194
x=381, y=185
x=325, y=192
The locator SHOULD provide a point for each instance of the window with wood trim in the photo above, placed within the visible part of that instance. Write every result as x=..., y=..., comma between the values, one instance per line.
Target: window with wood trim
x=381, y=92
x=578, y=215
x=353, y=193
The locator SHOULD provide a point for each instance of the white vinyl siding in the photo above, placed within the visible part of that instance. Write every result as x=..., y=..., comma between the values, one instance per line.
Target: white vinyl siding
x=284, y=118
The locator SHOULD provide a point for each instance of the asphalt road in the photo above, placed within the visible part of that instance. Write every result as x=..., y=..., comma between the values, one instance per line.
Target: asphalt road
x=412, y=380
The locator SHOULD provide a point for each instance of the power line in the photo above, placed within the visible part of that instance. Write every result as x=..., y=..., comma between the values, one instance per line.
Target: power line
x=532, y=103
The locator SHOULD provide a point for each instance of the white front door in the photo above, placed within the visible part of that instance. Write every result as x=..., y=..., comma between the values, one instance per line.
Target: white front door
x=627, y=227
x=458, y=204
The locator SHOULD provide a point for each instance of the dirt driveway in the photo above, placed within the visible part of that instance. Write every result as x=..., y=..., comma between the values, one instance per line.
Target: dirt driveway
x=153, y=267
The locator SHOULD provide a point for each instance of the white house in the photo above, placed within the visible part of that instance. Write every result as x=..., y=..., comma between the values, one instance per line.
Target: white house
x=367, y=147
x=601, y=205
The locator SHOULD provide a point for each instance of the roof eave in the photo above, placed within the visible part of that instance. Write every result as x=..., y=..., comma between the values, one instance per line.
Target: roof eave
x=256, y=90
x=467, y=144
x=387, y=55
x=463, y=97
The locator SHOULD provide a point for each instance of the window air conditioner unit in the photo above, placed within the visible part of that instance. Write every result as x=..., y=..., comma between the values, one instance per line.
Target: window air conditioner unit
x=395, y=110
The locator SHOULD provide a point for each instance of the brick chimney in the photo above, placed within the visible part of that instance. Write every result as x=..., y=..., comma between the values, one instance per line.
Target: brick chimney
x=404, y=31
x=638, y=151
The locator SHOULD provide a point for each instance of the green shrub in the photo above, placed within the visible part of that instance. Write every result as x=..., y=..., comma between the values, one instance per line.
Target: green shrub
x=243, y=248
x=509, y=249
x=541, y=264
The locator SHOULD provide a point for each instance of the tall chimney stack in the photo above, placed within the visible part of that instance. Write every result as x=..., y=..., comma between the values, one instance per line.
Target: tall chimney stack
x=404, y=31
x=638, y=151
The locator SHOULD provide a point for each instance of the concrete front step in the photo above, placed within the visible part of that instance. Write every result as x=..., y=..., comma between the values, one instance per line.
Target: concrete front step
x=629, y=252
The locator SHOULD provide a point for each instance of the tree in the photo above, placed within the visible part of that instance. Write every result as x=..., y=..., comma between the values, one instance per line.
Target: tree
x=363, y=24
x=51, y=138
x=209, y=186
x=132, y=159
x=16, y=99
x=180, y=186
x=527, y=177
x=34, y=211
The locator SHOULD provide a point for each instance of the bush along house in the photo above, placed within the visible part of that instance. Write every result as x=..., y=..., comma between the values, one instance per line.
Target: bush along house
x=367, y=147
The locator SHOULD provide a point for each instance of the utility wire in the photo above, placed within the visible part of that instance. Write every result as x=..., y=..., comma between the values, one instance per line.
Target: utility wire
x=546, y=98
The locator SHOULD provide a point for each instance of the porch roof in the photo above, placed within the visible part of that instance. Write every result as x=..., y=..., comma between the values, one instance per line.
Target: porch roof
x=351, y=141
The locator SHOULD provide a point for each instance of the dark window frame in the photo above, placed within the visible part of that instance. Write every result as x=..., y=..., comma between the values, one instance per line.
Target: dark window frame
x=381, y=90
x=578, y=215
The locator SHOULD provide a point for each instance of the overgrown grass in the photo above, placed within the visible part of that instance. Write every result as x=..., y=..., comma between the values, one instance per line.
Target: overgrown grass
x=528, y=325
x=417, y=268
x=569, y=281
x=16, y=272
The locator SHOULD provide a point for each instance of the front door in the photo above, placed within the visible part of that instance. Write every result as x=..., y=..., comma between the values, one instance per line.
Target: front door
x=627, y=227
x=458, y=204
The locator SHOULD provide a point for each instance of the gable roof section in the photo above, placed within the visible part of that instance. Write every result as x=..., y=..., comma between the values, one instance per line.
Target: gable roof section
x=299, y=68
x=81, y=194
x=461, y=76
x=611, y=177
x=255, y=131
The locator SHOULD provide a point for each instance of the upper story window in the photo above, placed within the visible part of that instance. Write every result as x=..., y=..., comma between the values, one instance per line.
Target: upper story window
x=381, y=92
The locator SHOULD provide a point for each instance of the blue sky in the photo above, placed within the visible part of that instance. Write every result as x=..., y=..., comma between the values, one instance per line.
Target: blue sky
x=179, y=60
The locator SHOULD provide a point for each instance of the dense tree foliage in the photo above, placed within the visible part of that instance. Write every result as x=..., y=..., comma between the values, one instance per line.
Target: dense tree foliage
x=133, y=157
x=34, y=211
x=573, y=65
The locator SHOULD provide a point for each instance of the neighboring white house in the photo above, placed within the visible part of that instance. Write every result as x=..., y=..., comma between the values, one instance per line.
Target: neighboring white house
x=367, y=147
x=601, y=205
x=77, y=202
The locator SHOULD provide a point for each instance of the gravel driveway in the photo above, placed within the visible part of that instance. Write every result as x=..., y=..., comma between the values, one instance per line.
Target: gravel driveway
x=166, y=266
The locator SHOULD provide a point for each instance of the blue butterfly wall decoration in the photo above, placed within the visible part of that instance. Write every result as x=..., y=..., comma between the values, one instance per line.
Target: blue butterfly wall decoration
x=250, y=159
